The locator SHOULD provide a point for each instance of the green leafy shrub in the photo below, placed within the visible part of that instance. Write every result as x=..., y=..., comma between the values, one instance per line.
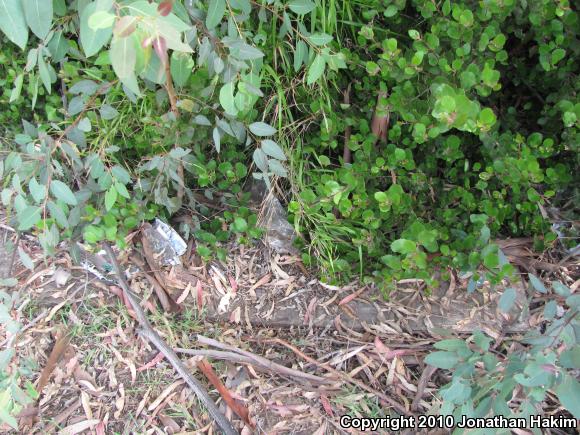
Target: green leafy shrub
x=545, y=362
x=482, y=133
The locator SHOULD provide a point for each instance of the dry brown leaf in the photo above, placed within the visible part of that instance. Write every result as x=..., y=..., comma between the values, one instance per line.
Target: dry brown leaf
x=79, y=427
x=142, y=403
x=86, y=404
x=170, y=426
x=120, y=402
x=57, y=352
x=164, y=394
x=157, y=359
x=185, y=293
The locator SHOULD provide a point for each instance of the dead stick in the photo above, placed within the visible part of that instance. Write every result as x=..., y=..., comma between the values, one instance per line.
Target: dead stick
x=423, y=380
x=159, y=290
x=242, y=359
x=260, y=360
x=150, y=334
x=341, y=375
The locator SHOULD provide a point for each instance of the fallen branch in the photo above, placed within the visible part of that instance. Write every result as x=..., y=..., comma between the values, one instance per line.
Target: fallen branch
x=236, y=355
x=423, y=380
x=345, y=377
x=150, y=334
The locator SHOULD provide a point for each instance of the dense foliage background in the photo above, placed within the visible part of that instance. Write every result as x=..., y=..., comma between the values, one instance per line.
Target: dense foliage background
x=407, y=135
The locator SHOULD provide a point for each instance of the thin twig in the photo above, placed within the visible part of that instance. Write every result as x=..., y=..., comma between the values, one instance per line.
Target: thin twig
x=249, y=357
x=345, y=377
x=421, y=385
x=150, y=334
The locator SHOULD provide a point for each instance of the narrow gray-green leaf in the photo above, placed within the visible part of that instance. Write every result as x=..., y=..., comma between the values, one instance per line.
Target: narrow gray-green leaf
x=13, y=23
x=242, y=51
x=301, y=7
x=300, y=54
x=181, y=67
x=201, y=120
x=320, y=38
x=215, y=13
x=57, y=214
x=58, y=46
x=277, y=168
x=262, y=129
x=217, y=139
x=537, y=284
x=123, y=57
x=273, y=149
x=25, y=259
x=38, y=191
x=316, y=69
x=92, y=40
x=28, y=217
x=507, y=299
x=62, y=191
x=44, y=74
x=569, y=392
x=442, y=360
x=108, y=112
x=38, y=14
x=85, y=87
x=15, y=94
x=260, y=160
x=227, y=99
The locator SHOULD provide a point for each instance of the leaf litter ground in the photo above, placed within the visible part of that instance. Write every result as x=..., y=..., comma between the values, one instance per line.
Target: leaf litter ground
x=293, y=354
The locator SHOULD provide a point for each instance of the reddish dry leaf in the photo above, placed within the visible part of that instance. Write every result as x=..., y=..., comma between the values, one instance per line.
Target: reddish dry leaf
x=184, y=295
x=119, y=292
x=387, y=352
x=264, y=280
x=310, y=310
x=288, y=410
x=326, y=405
x=57, y=352
x=100, y=428
x=352, y=296
x=158, y=358
x=199, y=295
x=238, y=408
x=233, y=284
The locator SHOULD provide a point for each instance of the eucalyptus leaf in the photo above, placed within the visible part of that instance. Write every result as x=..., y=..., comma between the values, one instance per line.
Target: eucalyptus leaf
x=92, y=40
x=13, y=23
x=215, y=13
x=216, y=139
x=38, y=14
